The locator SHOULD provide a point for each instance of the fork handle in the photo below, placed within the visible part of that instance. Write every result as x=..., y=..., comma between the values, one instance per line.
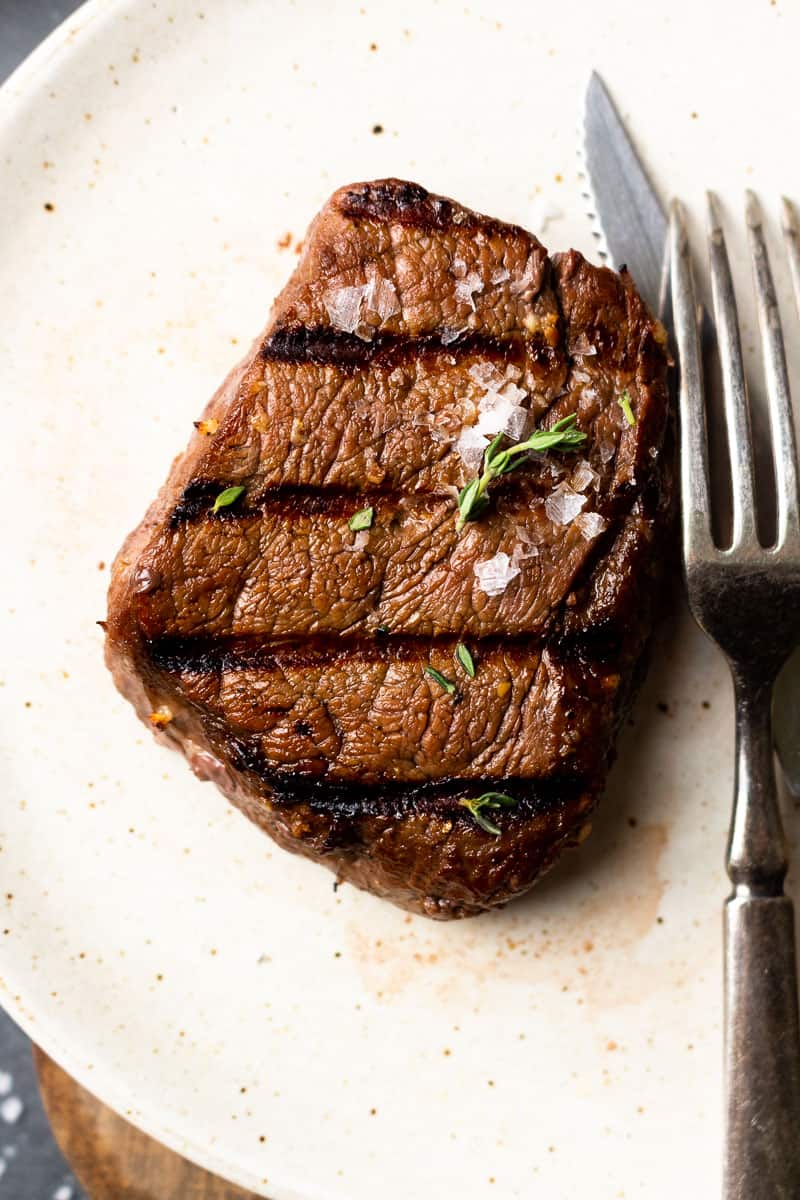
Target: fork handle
x=762, y=1032
x=762, y=1160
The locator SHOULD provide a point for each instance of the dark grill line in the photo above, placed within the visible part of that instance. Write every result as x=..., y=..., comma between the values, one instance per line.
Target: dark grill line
x=293, y=500
x=326, y=346
x=399, y=799
x=394, y=200
x=299, y=499
x=208, y=655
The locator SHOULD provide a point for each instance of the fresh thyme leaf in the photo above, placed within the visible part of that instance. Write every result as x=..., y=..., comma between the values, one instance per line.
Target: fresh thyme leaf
x=625, y=404
x=382, y=629
x=447, y=684
x=472, y=499
x=226, y=498
x=487, y=800
x=492, y=448
x=465, y=659
x=361, y=520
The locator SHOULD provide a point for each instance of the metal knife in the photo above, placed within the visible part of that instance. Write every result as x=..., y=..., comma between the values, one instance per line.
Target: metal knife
x=631, y=227
x=629, y=219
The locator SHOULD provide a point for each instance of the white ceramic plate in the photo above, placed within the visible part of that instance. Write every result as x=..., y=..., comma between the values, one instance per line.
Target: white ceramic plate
x=213, y=989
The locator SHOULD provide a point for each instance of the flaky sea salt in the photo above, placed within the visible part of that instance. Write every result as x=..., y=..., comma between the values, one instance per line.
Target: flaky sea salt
x=344, y=307
x=11, y=1109
x=591, y=524
x=380, y=295
x=470, y=445
x=525, y=281
x=500, y=410
x=468, y=283
x=359, y=541
x=563, y=504
x=501, y=404
x=583, y=476
x=495, y=574
x=581, y=347
x=450, y=334
x=606, y=450
x=65, y=1192
x=499, y=275
x=484, y=373
x=523, y=550
x=467, y=288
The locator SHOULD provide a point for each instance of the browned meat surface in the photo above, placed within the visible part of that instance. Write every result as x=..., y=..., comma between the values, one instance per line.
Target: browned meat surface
x=285, y=654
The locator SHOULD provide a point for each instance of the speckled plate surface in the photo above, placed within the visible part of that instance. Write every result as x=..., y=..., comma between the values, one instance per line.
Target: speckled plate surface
x=156, y=156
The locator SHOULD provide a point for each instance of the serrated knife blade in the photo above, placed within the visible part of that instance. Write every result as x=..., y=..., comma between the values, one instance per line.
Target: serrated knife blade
x=631, y=220
x=632, y=226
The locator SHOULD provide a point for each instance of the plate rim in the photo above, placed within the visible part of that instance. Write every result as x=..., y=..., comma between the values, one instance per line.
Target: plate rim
x=17, y=91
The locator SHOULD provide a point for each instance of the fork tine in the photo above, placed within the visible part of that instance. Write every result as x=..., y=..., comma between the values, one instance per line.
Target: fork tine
x=737, y=416
x=784, y=452
x=696, y=506
x=791, y=233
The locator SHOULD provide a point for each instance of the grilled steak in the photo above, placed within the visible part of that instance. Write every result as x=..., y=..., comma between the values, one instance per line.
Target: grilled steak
x=285, y=653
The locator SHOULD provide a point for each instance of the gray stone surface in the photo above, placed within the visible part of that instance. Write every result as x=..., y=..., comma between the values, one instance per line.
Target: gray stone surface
x=31, y=1165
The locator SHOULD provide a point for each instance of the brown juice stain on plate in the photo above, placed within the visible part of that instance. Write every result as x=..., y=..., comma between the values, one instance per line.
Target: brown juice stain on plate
x=577, y=931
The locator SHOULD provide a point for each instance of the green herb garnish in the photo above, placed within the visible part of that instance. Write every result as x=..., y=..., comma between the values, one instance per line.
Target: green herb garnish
x=382, y=629
x=447, y=684
x=361, y=520
x=472, y=499
x=228, y=497
x=625, y=404
x=465, y=659
x=487, y=800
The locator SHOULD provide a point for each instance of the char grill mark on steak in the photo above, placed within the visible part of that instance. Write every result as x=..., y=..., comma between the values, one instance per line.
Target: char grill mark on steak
x=289, y=500
x=256, y=626
x=292, y=500
x=325, y=346
x=392, y=200
x=401, y=799
x=204, y=655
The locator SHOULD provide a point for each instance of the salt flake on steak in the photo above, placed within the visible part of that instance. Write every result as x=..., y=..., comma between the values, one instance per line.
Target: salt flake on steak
x=466, y=288
x=583, y=476
x=606, y=450
x=495, y=574
x=563, y=504
x=470, y=446
x=380, y=295
x=581, y=347
x=466, y=284
x=359, y=541
x=450, y=335
x=377, y=295
x=500, y=406
x=344, y=307
x=591, y=524
x=526, y=546
x=524, y=282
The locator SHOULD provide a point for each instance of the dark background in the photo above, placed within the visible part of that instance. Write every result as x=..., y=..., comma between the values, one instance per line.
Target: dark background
x=31, y=1166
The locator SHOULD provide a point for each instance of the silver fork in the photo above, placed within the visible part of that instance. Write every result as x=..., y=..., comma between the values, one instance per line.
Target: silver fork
x=747, y=598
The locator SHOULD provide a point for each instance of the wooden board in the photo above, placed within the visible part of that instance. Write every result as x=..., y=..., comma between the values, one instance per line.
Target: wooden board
x=112, y=1159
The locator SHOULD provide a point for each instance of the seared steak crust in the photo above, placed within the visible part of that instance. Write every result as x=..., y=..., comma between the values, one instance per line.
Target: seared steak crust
x=285, y=653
